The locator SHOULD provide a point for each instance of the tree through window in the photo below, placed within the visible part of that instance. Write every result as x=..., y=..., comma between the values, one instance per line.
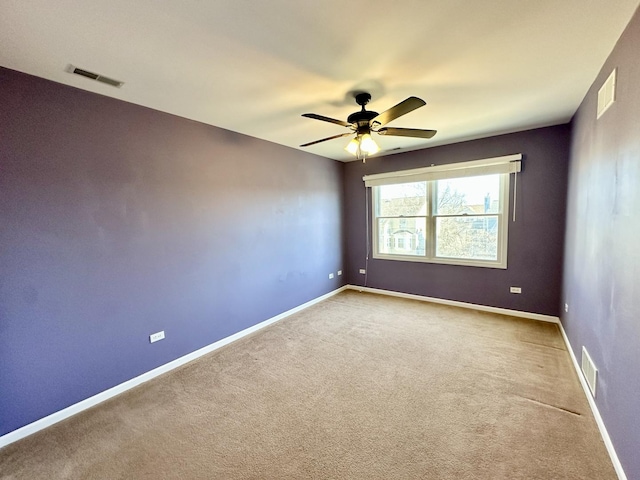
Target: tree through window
x=460, y=220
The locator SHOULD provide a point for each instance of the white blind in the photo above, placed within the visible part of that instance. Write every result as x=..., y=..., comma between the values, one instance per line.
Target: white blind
x=487, y=166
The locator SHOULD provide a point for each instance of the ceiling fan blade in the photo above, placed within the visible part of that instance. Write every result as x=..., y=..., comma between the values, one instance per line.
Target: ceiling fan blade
x=404, y=107
x=326, y=119
x=407, y=132
x=328, y=138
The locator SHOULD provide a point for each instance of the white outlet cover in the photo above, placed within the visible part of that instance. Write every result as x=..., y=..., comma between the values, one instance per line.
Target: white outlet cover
x=515, y=289
x=330, y=276
x=363, y=271
x=339, y=272
x=154, y=337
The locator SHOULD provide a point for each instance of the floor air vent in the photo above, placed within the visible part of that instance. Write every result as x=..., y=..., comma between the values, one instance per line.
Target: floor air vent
x=590, y=371
x=94, y=76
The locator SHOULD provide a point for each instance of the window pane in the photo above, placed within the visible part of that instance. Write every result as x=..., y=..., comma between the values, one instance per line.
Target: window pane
x=401, y=236
x=470, y=195
x=407, y=199
x=467, y=237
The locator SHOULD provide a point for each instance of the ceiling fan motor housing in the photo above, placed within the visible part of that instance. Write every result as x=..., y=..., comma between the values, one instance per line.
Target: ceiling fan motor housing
x=361, y=120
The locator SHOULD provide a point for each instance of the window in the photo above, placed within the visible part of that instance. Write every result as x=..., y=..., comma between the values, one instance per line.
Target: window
x=454, y=214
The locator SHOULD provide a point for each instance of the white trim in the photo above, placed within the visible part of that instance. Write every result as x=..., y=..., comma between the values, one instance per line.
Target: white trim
x=431, y=220
x=487, y=166
x=123, y=387
x=454, y=303
x=461, y=262
x=65, y=413
x=594, y=409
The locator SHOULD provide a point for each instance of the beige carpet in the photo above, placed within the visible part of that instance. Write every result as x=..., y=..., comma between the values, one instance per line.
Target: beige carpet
x=359, y=386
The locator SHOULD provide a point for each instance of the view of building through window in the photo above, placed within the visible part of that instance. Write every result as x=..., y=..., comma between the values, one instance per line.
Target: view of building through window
x=402, y=212
x=457, y=218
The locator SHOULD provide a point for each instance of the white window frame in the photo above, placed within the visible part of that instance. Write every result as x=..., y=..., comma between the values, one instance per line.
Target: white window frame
x=499, y=165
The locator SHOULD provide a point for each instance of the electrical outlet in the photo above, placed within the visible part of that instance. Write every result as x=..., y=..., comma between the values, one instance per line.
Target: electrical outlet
x=515, y=290
x=154, y=337
x=566, y=307
x=339, y=272
x=330, y=276
x=363, y=271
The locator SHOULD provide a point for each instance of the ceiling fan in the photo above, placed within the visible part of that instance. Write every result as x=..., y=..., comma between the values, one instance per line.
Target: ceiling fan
x=364, y=122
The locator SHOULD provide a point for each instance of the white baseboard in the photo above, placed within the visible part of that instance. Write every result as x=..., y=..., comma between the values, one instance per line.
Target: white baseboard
x=594, y=409
x=123, y=387
x=145, y=377
x=453, y=303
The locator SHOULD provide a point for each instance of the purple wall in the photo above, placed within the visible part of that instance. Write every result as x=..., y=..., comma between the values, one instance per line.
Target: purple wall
x=602, y=258
x=117, y=221
x=535, y=239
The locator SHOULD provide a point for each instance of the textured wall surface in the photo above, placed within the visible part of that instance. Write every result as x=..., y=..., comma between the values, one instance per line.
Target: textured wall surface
x=535, y=239
x=117, y=221
x=602, y=259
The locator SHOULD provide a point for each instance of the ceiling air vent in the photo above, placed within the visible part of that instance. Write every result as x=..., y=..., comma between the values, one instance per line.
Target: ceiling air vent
x=607, y=94
x=94, y=76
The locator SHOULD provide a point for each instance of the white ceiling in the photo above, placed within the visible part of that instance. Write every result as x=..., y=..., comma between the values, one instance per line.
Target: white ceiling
x=484, y=67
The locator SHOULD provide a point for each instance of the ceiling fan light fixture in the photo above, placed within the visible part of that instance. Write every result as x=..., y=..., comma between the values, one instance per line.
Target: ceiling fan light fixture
x=353, y=146
x=368, y=145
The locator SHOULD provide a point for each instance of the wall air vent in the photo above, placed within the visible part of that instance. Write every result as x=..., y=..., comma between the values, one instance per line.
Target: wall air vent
x=590, y=371
x=94, y=76
x=607, y=94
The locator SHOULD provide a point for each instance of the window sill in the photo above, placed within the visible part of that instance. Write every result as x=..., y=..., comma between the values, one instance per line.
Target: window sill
x=442, y=261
